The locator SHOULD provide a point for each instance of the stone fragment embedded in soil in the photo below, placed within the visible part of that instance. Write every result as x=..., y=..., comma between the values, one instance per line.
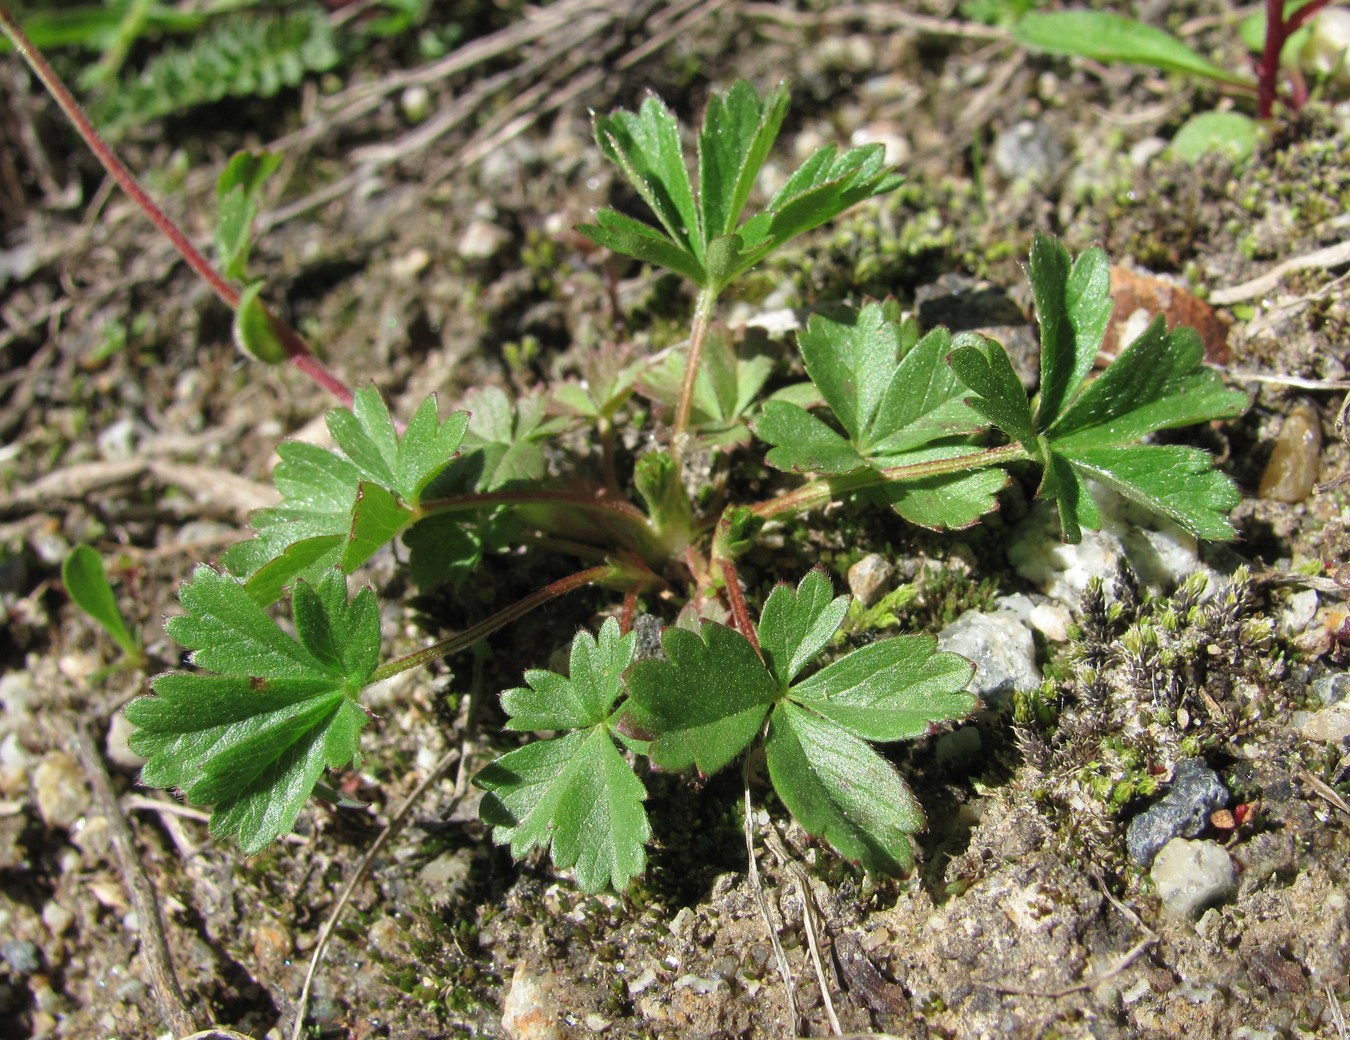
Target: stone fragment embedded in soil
x=1328, y=726
x=1193, y=875
x=1183, y=812
x=1159, y=552
x=870, y=578
x=1332, y=689
x=59, y=788
x=1027, y=152
x=529, y=1011
x=1001, y=648
x=1294, y=463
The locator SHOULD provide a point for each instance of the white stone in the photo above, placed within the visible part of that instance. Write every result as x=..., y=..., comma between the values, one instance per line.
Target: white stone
x=1193, y=875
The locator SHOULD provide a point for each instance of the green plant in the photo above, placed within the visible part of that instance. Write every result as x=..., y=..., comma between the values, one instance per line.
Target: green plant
x=929, y=426
x=1107, y=37
x=86, y=582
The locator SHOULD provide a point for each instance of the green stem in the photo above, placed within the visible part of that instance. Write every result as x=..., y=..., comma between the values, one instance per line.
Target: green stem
x=294, y=344
x=464, y=640
x=614, y=508
x=827, y=489
x=684, y=405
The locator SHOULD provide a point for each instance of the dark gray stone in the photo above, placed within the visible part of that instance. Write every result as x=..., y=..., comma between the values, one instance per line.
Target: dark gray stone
x=1183, y=812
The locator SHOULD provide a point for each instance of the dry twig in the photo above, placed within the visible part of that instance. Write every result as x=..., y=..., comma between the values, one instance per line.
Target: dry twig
x=163, y=981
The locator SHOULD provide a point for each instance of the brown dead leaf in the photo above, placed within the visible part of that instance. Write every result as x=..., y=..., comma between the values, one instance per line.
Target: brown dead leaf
x=1136, y=291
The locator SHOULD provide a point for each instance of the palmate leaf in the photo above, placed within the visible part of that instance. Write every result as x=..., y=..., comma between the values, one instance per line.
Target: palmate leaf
x=574, y=792
x=252, y=733
x=895, y=406
x=340, y=507
x=841, y=790
x=702, y=236
x=708, y=699
x=1091, y=429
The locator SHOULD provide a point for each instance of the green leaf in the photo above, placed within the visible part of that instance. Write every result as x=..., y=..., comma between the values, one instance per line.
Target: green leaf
x=707, y=699
x=1207, y=132
x=575, y=791
x=1106, y=37
x=237, y=191
x=1073, y=305
x=583, y=698
x=738, y=131
x=646, y=147
x=704, y=238
x=1158, y=382
x=725, y=389
x=378, y=517
x=345, y=505
x=402, y=465
x=894, y=689
x=985, y=367
x=796, y=624
x=503, y=445
x=272, y=576
x=949, y=502
x=253, y=739
x=87, y=585
x=841, y=790
x=1178, y=482
x=445, y=548
x=254, y=330
x=643, y=242
x=577, y=794
x=803, y=443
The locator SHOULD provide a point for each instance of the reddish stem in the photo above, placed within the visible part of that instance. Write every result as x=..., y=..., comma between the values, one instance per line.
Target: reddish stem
x=294, y=344
x=464, y=640
x=1278, y=31
x=740, y=613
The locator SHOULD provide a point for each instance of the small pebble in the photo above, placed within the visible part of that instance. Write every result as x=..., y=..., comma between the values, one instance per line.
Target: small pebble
x=1333, y=688
x=1290, y=474
x=482, y=240
x=529, y=1011
x=1027, y=151
x=1328, y=726
x=1000, y=647
x=1183, y=812
x=119, y=753
x=23, y=957
x=60, y=790
x=1193, y=875
x=870, y=578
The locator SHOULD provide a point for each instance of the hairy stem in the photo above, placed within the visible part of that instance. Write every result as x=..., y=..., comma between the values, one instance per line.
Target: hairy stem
x=684, y=405
x=464, y=640
x=740, y=613
x=294, y=344
x=827, y=489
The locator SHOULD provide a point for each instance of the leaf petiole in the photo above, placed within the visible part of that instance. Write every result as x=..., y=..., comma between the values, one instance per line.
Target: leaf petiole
x=463, y=640
x=826, y=489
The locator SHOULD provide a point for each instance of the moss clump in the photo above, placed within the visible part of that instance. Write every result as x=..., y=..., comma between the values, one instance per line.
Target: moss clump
x=1151, y=680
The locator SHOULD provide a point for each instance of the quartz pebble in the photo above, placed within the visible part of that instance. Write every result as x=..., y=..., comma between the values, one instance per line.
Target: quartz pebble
x=1001, y=648
x=1290, y=474
x=1193, y=875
